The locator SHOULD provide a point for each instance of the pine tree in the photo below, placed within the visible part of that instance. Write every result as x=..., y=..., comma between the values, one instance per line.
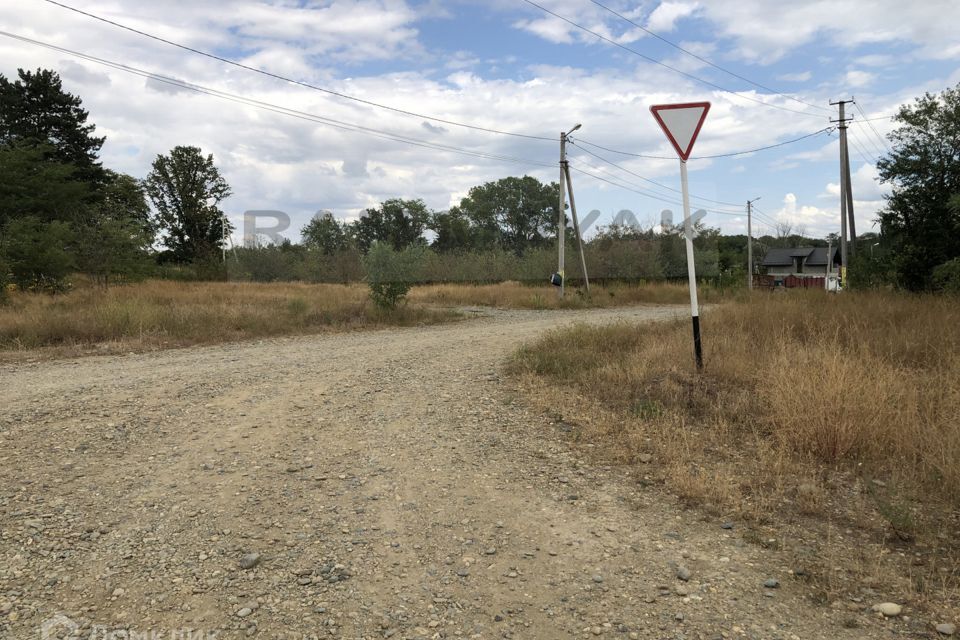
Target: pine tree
x=35, y=111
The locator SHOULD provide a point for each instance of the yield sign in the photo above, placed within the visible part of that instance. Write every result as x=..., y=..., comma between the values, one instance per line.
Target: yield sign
x=681, y=123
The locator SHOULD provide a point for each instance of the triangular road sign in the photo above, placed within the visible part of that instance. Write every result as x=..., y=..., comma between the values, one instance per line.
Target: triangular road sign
x=681, y=123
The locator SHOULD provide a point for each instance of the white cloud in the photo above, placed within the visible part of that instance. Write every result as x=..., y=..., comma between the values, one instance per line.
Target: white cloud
x=766, y=31
x=857, y=79
x=665, y=16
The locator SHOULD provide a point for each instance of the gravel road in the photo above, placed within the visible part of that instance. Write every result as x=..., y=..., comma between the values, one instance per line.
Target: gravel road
x=362, y=485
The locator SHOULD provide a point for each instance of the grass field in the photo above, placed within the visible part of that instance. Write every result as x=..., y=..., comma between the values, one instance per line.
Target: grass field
x=161, y=313
x=845, y=409
x=515, y=295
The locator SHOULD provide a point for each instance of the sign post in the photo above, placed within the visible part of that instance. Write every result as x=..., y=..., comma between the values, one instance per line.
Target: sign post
x=682, y=123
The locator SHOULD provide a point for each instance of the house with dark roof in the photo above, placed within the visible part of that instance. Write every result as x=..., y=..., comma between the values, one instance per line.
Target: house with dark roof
x=802, y=261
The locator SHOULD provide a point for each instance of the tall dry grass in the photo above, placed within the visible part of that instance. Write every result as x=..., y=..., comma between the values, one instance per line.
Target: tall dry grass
x=158, y=314
x=163, y=313
x=867, y=383
x=515, y=295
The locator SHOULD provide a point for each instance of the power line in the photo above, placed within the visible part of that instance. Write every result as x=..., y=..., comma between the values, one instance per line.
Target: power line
x=868, y=145
x=645, y=179
x=875, y=118
x=266, y=106
x=860, y=152
x=765, y=217
x=706, y=61
x=826, y=130
x=872, y=128
x=296, y=82
x=659, y=63
x=628, y=186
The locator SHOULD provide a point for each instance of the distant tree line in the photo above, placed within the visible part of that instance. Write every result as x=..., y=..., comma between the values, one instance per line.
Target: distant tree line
x=62, y=212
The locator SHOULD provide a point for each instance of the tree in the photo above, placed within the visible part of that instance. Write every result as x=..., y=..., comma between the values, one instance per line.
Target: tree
x=400, y=223
x=36, y=111
x=4, y=278
x=111, y=248
x=325, y=234
x=920, y=229
x=39, y=253
x=453, y=229
x=391, y=273
x=512, y=213
x=32, y=185
x=124, y=199
x=186, y=188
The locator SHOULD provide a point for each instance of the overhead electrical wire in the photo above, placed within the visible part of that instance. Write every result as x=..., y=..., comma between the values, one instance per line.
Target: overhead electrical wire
x=302, y=115
x=629, y=186
x=765, y=218
x=662, y=64
x=866, y=157
x=875, y=118
x=826, y=130
x=882, y=140
x=300, y=83
x=871, y=146
x=651, y=181
x=705, y=60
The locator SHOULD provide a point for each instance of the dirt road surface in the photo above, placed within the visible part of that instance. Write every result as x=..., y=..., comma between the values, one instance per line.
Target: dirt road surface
x=364, y=485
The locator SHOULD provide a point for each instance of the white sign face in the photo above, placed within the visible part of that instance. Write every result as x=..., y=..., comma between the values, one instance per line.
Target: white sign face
x=681, y=123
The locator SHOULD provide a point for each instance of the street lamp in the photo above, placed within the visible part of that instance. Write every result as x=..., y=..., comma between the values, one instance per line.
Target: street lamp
x=875, y=244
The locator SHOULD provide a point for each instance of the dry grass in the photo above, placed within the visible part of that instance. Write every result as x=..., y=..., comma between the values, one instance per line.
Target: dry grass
x=514, y=295
x=812, y=408
x=160, y=314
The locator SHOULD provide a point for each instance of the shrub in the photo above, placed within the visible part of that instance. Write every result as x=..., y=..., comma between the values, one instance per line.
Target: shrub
x=946, y=277
x=390, y=273
x=4, y=280
x=38, y=254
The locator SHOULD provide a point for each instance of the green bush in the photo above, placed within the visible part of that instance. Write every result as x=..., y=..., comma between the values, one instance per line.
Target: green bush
x=4, y=281
x=946, y=277
x=39, y=254
x=390, y=273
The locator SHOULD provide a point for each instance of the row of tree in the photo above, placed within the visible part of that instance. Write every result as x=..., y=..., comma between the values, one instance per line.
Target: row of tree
x=512, y=214
x=62, y=211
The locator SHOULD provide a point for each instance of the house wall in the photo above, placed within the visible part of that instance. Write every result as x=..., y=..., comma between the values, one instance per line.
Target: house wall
x=807, y=271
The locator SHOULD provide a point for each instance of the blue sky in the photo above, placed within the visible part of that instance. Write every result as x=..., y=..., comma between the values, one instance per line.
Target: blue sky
x=504, y=65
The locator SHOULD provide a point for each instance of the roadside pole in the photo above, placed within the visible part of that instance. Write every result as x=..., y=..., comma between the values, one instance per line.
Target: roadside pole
x=562, y=215
x=560, y=277
x=576, y=227
x=691, y=267
x=750, y=243
x=682, y=123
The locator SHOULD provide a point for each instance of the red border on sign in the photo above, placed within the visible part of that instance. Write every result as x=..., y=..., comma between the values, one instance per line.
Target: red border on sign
x=684, y=154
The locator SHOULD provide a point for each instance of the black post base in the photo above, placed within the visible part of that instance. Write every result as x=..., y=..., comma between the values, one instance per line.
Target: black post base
x=697, y=347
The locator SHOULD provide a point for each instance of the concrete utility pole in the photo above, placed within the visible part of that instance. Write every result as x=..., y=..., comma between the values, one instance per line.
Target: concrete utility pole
x=576, y=227
x=750, y=243
x=562, y=215
x=567, y=184
x=846, y=196
x=852, y=223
